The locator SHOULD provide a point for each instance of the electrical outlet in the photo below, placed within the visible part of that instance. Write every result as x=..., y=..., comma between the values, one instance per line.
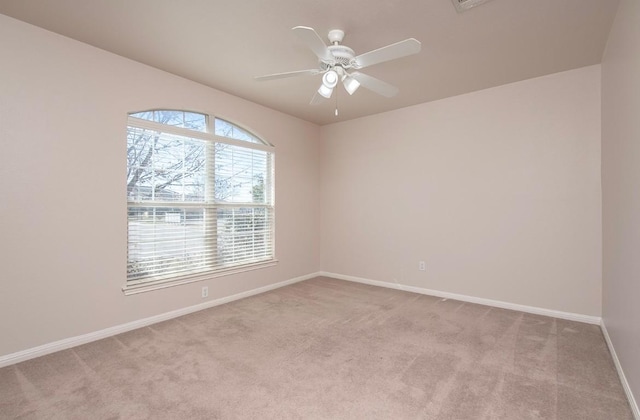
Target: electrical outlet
x=422, y=266
x=205, y=291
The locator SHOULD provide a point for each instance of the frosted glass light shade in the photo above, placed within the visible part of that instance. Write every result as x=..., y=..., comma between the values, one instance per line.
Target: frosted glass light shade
x=350, y=84
x=325, y=91
x=329, y=81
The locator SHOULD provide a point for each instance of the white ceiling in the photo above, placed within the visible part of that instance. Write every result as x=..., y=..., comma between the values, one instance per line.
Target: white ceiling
x=225, y=44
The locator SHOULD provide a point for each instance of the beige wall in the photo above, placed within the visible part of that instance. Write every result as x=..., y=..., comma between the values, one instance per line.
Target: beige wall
x=498, y=191
x=63, y=114
x=621, y=188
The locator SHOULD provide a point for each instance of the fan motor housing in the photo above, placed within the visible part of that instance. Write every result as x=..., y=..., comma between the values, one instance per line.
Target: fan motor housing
x=343, y=55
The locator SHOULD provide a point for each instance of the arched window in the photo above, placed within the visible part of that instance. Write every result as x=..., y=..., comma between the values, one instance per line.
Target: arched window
x=199, y=198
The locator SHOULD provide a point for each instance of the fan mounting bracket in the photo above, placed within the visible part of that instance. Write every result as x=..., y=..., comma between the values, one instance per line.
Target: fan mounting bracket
x=336, y=36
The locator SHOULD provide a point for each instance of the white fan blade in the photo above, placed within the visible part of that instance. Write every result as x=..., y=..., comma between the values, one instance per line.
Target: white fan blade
x=390, y=52
x=312, y=40
x=375, y=85
x=317, y=99
x=288, y=74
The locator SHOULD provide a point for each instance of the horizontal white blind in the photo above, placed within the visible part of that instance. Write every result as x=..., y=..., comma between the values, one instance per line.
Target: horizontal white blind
x=195, y=205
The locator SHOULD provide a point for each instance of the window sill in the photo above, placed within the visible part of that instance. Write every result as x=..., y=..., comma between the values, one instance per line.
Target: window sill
x=163, y=284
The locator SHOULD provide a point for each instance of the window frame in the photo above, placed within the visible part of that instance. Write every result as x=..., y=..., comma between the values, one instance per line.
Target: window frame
x=143, y=285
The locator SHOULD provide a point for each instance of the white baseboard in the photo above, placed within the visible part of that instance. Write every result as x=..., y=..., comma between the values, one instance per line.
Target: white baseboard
x=67, y=343
x=64, y=344
x=623, y=378
x=471, y=299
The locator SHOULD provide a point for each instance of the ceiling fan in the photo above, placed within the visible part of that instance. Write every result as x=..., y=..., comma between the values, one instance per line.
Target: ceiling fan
x=337, y=62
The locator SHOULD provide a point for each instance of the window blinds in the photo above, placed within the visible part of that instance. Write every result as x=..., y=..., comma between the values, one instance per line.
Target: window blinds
x=195, y=204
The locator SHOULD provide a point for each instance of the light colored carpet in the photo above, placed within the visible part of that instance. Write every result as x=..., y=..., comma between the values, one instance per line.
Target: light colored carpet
x=329, y=349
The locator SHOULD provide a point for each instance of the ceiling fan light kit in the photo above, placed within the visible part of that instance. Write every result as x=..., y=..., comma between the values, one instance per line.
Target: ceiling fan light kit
x=336, y=60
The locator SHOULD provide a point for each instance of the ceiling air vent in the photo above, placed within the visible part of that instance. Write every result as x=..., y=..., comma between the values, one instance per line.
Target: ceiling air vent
x=463, y=5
